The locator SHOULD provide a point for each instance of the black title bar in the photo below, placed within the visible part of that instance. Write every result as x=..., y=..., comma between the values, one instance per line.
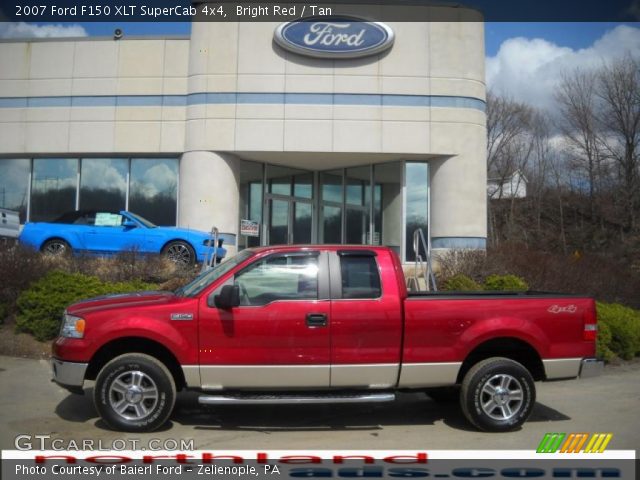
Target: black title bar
x=383, y=10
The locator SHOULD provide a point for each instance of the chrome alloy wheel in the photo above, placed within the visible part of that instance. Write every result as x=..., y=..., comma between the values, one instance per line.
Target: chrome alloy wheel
x=179, y=253
x=133, y=395
x=55, y=248
x=501, y=397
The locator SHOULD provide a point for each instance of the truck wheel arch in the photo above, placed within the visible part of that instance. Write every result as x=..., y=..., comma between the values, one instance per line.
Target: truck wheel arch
x=507, y=347
x=123, y=345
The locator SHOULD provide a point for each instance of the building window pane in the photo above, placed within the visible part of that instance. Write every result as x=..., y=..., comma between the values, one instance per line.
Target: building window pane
x=357, y=197
x=53, y=189
x=387, y=205
x=303, y=185
x=103, y=183
x=279, y=222
x=152, y=193
x=251, y=199
x=331, y=186
x=331, y=228
x=14, y=185
x=302, y=222
x=417, y=209
x=279, y=180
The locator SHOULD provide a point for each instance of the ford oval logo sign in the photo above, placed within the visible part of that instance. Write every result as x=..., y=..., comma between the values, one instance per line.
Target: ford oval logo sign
x=334, y=37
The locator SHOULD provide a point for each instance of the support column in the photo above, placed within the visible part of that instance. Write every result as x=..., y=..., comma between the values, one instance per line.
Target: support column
x=210, y=194
x=459, y=202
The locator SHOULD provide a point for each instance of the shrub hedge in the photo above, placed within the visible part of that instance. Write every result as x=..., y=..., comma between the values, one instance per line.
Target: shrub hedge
x=618, y=331
x=40, y=307
x=461, y=283
x=505, y=283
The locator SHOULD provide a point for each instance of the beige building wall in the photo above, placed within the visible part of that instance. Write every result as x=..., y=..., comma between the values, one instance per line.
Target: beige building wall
x=91, y=96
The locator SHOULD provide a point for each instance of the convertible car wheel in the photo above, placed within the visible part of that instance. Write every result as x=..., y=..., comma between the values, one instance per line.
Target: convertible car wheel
x=180, y=252
x=56, y=247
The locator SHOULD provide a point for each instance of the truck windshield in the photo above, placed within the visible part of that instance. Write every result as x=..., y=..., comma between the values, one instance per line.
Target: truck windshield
x=205, y=279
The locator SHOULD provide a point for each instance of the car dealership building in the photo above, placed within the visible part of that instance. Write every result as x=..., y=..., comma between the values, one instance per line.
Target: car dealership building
x=328, y=131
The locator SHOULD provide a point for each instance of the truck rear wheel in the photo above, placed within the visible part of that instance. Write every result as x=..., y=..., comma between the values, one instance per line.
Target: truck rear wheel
x=135, y=393
x=497, y=395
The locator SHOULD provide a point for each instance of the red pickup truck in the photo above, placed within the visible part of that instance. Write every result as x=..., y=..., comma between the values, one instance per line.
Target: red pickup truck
x=320, y=324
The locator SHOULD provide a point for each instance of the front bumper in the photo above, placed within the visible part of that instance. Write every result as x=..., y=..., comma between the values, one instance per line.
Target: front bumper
x=69, y=375
x=591, y=367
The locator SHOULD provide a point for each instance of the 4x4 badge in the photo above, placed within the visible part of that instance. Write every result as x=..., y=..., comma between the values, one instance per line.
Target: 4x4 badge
x=182, y=316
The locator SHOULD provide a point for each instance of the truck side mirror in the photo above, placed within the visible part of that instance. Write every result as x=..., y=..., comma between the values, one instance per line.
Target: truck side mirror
x=229, y=297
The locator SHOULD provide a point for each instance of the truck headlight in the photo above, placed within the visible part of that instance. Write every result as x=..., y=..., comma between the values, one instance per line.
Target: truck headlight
x=72, y=326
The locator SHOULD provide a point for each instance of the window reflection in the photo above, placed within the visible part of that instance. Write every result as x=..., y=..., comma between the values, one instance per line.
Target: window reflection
x=103, y=183
x=279, y=180
x=153, y=189
x=332, y=186
x=331, y=224
x=278, y=222
x=302, y=222
x=251, y=199
x=303, y=185
x=417, y=208
x=357, y=198
x=388, y=205
x=53, y=190
x=14, y=185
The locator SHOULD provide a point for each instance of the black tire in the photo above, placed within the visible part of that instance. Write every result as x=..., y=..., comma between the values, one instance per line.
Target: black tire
x=508, y=410
x=56, y=247
x=117, y=382
x=444, y=394
x=180, y=253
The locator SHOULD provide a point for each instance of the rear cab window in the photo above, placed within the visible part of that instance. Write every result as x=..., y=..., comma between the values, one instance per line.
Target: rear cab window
x=360, y=277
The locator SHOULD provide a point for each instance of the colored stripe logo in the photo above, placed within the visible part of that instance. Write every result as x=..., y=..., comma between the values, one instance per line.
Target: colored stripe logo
x=574, y=442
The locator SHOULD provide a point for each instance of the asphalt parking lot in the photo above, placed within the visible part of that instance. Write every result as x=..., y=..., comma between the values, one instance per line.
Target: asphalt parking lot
x=30, y=404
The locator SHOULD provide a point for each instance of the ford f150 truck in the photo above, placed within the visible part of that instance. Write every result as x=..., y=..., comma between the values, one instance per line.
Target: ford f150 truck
x=320, y=324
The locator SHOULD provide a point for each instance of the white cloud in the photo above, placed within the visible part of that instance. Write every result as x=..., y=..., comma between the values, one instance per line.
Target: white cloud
x=530, y=70
x=101, y=174
x=160, y=178
x=31, y=30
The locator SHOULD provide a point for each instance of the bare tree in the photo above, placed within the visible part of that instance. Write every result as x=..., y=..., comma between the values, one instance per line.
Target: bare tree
x=577, y=102
x=618, y=87
x=541, y=166
x=509, y=148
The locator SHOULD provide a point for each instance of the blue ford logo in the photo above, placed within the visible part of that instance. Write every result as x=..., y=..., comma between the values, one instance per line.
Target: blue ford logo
x=334, y=37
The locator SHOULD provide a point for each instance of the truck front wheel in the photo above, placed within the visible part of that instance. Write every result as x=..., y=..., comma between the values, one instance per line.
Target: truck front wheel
x=497, y=395
x=134, y=393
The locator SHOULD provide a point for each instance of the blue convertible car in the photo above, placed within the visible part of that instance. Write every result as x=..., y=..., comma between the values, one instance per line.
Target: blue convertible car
x=107, y=233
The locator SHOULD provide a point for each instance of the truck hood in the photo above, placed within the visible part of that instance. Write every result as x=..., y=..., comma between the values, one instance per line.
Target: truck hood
x=119, y=300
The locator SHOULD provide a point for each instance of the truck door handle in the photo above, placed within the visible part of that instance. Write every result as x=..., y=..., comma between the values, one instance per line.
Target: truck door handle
x=316, y=320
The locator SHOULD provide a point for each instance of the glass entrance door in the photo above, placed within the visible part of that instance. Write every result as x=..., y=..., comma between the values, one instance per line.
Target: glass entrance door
x=289, y=205
x=290, y=221
x=278, y=221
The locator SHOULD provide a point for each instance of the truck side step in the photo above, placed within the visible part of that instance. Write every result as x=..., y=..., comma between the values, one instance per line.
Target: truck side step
x=271, y=399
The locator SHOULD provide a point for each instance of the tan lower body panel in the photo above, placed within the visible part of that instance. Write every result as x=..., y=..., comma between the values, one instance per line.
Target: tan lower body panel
x=417, y=375
x=219, y=377
x=381, y=375
x=191, y=375
x=562, y=367
x=372, y=376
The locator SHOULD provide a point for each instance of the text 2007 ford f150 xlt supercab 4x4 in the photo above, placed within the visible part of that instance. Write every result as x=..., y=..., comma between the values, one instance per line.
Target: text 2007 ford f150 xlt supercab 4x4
x=320, y=324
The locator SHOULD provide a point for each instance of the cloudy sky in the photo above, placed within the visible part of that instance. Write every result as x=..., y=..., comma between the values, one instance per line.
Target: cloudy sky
x=529, y=66
x=524, y=60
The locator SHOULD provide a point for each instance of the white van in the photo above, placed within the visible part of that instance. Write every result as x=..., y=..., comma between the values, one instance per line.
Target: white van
x=9, y=225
